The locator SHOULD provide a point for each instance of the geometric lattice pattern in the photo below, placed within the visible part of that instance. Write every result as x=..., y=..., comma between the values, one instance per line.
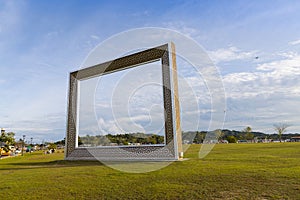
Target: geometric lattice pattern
x=171, y=150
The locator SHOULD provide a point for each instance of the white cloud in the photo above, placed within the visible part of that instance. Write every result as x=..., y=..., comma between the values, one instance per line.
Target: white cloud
x=108, y=127
x=289, y=66
x=289, y=54
x=181, y=27
x=42, y=127
x=36, y=129
x=94, y=37
x=295, y=42
x=276, y=76
x=230, y=54
x=268, y=95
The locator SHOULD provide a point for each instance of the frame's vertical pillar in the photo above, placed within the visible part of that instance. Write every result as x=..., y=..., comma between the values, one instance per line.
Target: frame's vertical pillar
x=176, y=102
x=72, y=115
x=167, y=93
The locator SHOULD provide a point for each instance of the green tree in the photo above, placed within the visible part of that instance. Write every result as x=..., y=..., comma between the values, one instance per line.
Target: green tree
x=62, y=142
x=199, y=137
x=280, y=129
x=248, y=133
x=231, y=139
x=8, y=138
x=248, y=129
x=249, y=136
x=52, y=146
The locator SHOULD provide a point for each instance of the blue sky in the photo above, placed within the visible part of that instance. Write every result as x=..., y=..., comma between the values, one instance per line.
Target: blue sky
x=42, y=41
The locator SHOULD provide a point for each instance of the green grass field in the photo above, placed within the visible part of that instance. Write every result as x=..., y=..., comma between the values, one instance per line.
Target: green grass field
x=230, y=171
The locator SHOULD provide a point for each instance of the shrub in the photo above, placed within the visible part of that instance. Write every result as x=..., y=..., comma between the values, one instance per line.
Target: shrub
x=231, y=139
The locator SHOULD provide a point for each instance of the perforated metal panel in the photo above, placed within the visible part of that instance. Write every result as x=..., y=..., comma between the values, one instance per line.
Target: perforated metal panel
x=170, y=150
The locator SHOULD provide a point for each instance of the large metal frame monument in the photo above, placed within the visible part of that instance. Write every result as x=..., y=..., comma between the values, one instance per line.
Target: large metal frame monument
x=172, y=147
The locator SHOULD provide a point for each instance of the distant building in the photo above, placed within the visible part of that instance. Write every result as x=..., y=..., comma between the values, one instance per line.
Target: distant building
x=295, y=139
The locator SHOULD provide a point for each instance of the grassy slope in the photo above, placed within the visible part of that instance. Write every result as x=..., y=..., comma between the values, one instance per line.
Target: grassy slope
x=230, y=171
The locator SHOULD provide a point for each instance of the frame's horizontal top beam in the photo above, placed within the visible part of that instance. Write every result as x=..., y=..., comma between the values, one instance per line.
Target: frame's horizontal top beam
x=125, y=62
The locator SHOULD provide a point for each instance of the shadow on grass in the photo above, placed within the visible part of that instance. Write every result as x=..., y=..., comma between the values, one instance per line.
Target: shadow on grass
x=50, y=164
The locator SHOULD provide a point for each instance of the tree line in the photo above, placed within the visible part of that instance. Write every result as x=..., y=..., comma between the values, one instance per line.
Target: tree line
x=232, y=136
x=120, y=139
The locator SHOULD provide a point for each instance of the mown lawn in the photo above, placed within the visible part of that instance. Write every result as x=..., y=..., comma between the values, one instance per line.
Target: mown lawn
x=230, y=171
